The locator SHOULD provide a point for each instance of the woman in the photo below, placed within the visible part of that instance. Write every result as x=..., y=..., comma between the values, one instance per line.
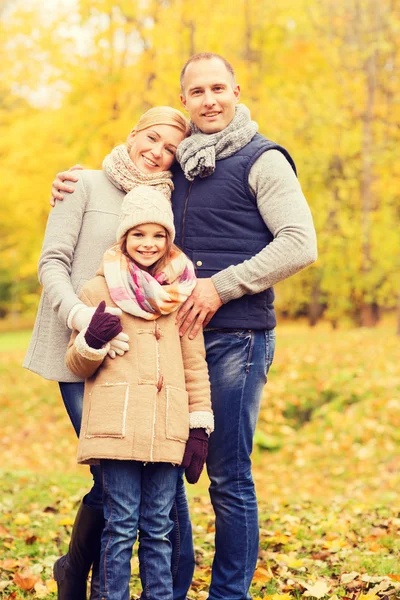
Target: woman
x=77, y=234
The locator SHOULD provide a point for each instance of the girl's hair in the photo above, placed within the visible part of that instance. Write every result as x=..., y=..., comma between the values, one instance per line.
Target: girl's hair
x=162, y=115
x=158, y=266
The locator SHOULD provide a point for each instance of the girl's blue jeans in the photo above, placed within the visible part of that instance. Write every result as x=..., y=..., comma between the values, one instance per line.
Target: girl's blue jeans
x=137, y=496
x=182, y=562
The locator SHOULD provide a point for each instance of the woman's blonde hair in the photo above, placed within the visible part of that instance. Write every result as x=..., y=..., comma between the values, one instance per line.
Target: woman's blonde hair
x=162, y=115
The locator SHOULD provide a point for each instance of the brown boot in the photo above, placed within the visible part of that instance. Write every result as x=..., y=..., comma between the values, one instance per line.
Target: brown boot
x=71, y=570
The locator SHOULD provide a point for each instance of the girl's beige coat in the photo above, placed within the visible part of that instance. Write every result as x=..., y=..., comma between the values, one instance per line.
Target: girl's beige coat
x=140, y=406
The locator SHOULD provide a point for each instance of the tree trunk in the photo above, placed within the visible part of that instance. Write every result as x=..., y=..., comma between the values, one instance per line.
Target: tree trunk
x=367, y=311
x=314, y=307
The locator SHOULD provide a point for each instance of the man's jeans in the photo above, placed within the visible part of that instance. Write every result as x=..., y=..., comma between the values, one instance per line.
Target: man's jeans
x=181, y=534
x=137, y=496
x=238, y=363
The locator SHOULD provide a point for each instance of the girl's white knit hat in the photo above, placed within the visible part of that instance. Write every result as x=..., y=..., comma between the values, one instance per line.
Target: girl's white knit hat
x=145, y=204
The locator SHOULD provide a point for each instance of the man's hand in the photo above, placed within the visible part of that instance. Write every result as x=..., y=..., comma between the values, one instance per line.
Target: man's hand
x=199, y=308
x=59, y=186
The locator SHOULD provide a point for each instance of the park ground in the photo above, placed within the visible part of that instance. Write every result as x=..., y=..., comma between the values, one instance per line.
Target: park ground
x=326, y=466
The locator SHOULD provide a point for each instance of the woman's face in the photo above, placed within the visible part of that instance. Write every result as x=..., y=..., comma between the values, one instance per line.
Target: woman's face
x=146, y=244
x=153, y=149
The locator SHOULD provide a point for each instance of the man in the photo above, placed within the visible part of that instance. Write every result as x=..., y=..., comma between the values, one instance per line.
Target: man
x=240, y=215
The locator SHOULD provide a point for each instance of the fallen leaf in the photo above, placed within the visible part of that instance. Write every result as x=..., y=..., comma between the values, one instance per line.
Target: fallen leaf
x=319, y=589
x=4, y=584
x=30, y=540
x=22, y=519
x=347, y=577
x=262, y=575
x=25, y=580
x=41, y=590
x=9, y=564
x=66, y=521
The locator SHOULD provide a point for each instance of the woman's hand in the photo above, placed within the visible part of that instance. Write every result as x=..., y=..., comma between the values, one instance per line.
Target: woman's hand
x=59, y=186
x=195, y=454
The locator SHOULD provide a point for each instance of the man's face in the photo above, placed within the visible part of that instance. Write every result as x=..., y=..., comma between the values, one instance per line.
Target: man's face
x=209, y=94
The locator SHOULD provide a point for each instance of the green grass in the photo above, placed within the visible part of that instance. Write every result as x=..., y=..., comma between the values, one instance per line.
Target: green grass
x=14, y=340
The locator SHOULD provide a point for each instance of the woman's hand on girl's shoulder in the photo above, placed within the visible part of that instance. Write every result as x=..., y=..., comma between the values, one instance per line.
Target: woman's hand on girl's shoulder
x=59, y=186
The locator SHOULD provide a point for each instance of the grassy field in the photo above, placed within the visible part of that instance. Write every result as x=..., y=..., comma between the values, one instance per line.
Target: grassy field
x=326, y=465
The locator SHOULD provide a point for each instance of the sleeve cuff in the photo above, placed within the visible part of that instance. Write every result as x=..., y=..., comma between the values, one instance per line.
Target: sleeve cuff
x=226, y=285
x=203, y=420
x=86, y=351
x=73, y=312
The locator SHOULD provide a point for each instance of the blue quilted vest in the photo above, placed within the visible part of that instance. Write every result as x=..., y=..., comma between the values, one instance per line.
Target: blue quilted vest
x=218, y=224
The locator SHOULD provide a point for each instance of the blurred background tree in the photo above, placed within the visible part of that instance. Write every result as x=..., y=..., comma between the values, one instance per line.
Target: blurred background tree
x=320, y=76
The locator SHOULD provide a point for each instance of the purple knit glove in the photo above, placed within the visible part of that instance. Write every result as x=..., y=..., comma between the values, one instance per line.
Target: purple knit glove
x=102, y=327
x=195, y=454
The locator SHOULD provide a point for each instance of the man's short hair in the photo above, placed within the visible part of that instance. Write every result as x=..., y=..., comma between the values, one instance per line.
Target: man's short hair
x=206, y=56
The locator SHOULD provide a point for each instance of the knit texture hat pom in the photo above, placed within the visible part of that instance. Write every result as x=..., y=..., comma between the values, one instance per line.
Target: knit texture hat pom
x=145, y=204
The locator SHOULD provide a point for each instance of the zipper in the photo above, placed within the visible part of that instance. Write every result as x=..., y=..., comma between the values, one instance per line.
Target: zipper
x=184, y=215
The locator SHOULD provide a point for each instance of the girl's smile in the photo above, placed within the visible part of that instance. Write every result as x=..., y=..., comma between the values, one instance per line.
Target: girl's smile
x=146, y=244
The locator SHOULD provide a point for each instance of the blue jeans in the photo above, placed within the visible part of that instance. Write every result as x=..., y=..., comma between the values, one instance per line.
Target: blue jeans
x=137, y=496
x=181, y=535
x=238, y=363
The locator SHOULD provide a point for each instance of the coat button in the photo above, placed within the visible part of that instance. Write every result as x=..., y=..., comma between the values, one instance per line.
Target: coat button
x=160, y=383
x=199, y=263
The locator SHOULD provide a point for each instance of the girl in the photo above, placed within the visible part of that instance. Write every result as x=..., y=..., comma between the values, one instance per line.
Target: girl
x=138, y=410
x=77, y=234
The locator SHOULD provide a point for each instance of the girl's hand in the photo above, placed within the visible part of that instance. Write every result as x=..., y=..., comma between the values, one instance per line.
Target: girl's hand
x=119, y=345
x=59, y=186
x=195, y=454
x=102, y=327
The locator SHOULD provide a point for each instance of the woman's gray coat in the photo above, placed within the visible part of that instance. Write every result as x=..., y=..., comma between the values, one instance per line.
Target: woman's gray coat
x=79, y=230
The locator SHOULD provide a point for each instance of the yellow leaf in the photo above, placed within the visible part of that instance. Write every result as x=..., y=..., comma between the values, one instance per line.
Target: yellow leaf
x=66, y=521
x=319, y=589
x=291, y=561
x=22, y=519
x=262, y=575
x=51, y=586
x=347, y=577
x=41, y=590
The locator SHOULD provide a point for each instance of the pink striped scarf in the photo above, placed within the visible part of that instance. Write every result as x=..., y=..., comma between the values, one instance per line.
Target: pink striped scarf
x=143, y=295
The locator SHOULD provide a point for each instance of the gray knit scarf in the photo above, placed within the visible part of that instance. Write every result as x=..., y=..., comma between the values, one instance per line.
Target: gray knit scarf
x=197, y=154
x=125, y=175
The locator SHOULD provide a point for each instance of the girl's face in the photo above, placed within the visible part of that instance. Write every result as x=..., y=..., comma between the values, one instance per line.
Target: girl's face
x=153, y=149
x=146, y=244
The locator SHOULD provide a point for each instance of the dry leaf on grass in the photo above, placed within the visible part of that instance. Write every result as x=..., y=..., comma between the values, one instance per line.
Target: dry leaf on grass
x=319, y=589
x=347, y=577
x=25, y=580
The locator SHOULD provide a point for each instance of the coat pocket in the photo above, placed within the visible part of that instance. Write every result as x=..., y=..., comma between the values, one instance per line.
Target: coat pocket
x=108, y=405
x=177, y=414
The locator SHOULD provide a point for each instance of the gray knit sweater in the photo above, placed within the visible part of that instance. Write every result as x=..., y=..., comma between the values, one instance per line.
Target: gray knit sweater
x=285, y=211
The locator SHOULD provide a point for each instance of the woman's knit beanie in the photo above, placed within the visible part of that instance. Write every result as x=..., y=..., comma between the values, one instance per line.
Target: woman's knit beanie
x=145, y=204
